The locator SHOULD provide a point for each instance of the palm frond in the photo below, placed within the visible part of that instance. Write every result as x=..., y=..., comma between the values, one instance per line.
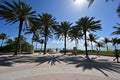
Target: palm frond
x=118, y=10
x=117, y=30
x=90, y=2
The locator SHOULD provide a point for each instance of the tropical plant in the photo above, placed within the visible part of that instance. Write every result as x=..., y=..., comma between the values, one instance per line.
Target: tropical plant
x=99, y=45
x=62, y=31
x=106, y=41
x=47, y=22
x=16, y=11
x=33, y=29
x=75, y=34
x=9, y=41
x=41, y=41
x=92, y=38
x=117, y=28
x=114, y=42
x=3, y=36
x=35, y=39
x=87, y=24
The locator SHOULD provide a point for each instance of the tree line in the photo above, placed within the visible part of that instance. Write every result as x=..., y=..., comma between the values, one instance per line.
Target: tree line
x=44, y=26
x=8, y=44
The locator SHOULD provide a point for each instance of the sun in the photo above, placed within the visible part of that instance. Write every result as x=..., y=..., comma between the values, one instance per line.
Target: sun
x=79, y=2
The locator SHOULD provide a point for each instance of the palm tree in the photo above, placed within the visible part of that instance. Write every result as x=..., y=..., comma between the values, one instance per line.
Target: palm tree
x=3, y=36
x=99, y=45
x=9, y=41
x=47, y=21
x=105, y=41
x=16, y=11
x=33, y=29
x=115, y=42
x=75, y=34
x=87, y=24
x=35, y=39
x=117, y=28
x=41, y=41
x=92, y=38
x=62, y=31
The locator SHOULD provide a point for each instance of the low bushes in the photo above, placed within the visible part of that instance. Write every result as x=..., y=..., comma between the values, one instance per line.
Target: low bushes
x=92, y=52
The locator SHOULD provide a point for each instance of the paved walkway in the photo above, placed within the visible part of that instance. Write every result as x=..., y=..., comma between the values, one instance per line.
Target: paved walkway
x=58, y=67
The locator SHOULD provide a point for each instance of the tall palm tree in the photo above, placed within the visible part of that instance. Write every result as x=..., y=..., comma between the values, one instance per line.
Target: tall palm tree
x=16, y=11
x=3, y=36
x=47, y=22
x=99, y=45
x=105, y=41
x=92, y=38
x=75, y=34
x=87, y=24
x=62, y=31
x=117, y=28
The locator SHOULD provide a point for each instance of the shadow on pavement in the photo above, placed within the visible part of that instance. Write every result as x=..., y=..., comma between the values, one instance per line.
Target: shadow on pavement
x=101, y=65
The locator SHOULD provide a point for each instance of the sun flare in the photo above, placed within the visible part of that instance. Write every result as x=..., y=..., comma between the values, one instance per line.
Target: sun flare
x=79, y=2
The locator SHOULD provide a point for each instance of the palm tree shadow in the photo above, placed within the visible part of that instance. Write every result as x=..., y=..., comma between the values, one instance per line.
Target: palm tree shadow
x=89, y=64
x=49, y=59
x=86, y=63
x=8, y=61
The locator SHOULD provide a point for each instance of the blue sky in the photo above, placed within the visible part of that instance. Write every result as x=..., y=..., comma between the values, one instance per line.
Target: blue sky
x=68, y=10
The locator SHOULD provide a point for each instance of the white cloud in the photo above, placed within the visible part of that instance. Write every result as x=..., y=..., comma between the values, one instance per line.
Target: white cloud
x=57, y=42
x=100, y=39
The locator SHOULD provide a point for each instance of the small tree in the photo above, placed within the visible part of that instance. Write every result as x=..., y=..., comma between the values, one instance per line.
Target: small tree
x=92, y=38
x=3, y=36
x=106, y=41
x=99, y=45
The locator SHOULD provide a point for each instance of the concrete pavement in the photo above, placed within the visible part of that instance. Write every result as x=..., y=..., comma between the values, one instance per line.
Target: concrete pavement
x=58, y=67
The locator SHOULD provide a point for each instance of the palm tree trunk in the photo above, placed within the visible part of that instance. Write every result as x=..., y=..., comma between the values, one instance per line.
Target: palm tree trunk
x=86, y=45
x=99, y=49
x=76, y=43
x=32, y=40
x=20, y=48
x=36, y=45
x=45, y=45
x=2, y=43
x=65, y=45
x=107, y=47
x=19, y=34
x=41, y=47
x=46, y=29
x=115, y=47
x=91, y=46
